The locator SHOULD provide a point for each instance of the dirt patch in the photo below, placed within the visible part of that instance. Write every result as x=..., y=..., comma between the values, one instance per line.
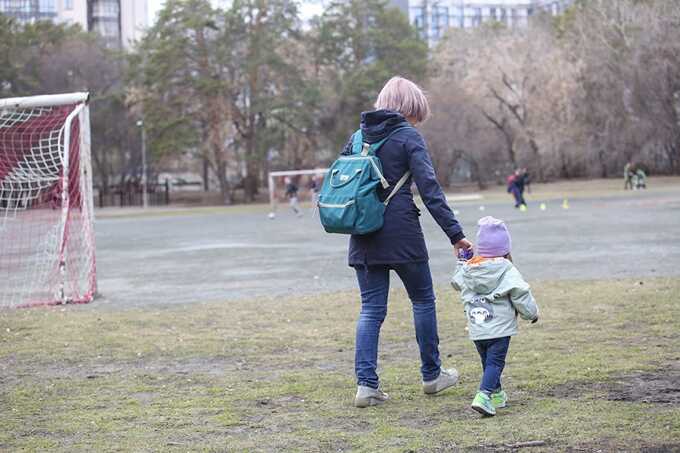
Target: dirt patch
x=607, y=445
x=662, y=448
x=661, y=388
x=600, y=446
x=658, y=387
x=529, y=445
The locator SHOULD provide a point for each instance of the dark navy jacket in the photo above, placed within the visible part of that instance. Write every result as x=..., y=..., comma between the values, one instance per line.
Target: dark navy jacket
x=401, y=238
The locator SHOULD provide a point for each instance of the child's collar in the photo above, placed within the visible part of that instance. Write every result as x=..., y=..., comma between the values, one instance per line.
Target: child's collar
x=477, y=260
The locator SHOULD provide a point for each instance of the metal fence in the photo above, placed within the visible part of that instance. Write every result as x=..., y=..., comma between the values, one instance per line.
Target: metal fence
x=132, y=195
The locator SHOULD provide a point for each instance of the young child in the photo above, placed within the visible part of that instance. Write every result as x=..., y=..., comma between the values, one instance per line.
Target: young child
x=640, y=179
x=292, y=195
x=493, y=293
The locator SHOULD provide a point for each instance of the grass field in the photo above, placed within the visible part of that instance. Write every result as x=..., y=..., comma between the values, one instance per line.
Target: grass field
x=600, y=372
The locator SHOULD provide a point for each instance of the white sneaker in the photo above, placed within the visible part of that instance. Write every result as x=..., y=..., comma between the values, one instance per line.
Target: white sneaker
x=447, y=378
x=368, y=396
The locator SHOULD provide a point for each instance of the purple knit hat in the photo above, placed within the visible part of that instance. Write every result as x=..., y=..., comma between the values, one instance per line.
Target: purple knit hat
x=493, y=238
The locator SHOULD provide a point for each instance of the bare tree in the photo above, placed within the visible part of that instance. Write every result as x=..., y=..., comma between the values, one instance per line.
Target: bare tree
x=578, y=95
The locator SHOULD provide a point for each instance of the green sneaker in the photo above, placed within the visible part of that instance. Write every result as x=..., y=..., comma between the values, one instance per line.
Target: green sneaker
x=499, y=399
x=482, y=404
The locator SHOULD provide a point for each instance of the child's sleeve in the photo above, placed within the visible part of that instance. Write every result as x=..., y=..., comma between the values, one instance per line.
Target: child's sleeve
x=522, y=299
x=457, y=279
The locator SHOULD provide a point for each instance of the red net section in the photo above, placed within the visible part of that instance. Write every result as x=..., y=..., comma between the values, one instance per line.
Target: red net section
x=46, y=228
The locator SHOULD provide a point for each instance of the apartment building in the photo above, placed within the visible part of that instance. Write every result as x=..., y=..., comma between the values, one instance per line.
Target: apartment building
x=433, y=17
x=119, y=22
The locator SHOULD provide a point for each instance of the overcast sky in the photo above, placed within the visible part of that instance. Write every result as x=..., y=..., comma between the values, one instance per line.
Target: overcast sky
x=308, y=9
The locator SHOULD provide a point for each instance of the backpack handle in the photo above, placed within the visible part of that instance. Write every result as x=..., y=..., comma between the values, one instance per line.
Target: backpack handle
x=343, y=183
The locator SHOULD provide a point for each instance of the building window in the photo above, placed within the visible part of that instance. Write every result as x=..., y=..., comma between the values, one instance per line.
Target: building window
x=440, y=20
x=492, y=13
x=419, y=22
x=477, y=17
x=457, y=17
x=29, y=11
x=68, y=4
x=106, y=8
x=108, y=29
x=47, y=6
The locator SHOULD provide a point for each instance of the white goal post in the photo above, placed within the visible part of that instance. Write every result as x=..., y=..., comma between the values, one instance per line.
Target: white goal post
x=301, y=178
x=47, y=250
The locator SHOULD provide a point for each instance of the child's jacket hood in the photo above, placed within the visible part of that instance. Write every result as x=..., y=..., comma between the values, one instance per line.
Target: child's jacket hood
x=485, y=277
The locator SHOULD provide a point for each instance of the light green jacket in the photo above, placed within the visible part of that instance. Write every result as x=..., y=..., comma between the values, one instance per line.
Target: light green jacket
x=493, y=292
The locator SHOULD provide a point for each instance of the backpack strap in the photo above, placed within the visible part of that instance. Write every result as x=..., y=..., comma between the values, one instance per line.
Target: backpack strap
x=398, y=186
x=357, y=141
x=366, y=150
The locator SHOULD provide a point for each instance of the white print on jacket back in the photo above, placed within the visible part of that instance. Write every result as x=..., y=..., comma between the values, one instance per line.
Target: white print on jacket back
x=480, y=311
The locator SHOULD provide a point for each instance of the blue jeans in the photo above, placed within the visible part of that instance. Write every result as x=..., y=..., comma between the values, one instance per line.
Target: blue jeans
x=374, y=283
x=492, y=352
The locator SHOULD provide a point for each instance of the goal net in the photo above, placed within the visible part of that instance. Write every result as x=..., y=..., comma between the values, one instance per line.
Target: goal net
x=46, y=211
x=307, y=182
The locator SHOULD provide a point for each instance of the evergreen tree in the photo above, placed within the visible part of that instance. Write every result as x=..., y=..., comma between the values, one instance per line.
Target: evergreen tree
x=360, y=45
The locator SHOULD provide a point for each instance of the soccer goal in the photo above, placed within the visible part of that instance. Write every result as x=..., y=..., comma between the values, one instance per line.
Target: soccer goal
x=46, y=209
x=307, y=182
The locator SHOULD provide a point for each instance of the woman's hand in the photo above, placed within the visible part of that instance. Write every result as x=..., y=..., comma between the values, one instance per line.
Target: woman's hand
x=462, y=244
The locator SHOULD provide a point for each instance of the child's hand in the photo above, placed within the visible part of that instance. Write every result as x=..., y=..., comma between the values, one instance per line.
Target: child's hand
x=465, y=254
x=535, y=320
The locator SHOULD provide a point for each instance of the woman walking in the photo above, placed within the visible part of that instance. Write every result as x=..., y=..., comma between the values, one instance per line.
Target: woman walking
x=400, y=245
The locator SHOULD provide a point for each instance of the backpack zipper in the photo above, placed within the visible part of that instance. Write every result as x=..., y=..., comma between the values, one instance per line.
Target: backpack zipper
x=327, y=205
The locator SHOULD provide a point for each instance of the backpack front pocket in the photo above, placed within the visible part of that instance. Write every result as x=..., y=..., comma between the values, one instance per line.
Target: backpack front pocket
x=338, y=214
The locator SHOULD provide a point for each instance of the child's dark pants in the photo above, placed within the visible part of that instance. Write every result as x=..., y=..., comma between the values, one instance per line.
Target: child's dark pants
x=492, y=353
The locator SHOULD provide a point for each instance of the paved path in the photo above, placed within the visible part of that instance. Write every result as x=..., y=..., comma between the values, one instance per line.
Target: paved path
x=213, y=256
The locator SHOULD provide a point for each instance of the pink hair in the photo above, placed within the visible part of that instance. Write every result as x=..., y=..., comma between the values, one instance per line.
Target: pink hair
x=403, y=96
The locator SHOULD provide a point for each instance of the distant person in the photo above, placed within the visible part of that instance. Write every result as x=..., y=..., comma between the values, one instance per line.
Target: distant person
x=399, y=245
x=510, y=180
x=292, y=195
x=640, y=179
x=628, y=176
x=55, y=198
x=522, y=181
x=516, y=184
x=493, y=293
x=527, y=181
x=315, y=187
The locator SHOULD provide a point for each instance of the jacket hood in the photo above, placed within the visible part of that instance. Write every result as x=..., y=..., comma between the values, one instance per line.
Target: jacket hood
x=378, y=124
x=485, y=277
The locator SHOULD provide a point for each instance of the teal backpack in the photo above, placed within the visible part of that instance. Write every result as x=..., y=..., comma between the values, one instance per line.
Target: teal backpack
x=348, y=201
